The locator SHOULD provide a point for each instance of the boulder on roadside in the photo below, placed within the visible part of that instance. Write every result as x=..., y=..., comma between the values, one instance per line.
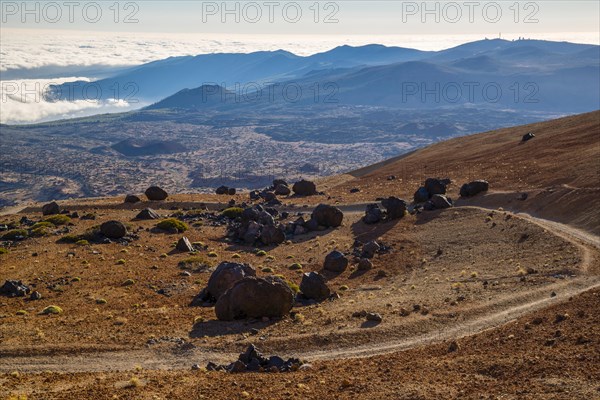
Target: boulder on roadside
x=132, y=198
x=51, y=208
x=440, y=202
x=474, y=188
x=222, y=190
x=373, y=214
x=335, y=262
x=305, y=188
x=253, y=297
x=147, y=214
x=435, y=186
x=155, y=193
x=113, y=229
x=395, y=207
x=13, y=288
x=314, y=286
x=226, y=274
x=327, y=216
x=421, y=195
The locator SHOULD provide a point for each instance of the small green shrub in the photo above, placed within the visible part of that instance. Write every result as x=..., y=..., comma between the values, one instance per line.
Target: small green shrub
x=70, y=238
x=58, y=219
x=101, y=301
x=39, y=232
x=121, y=261
x=267, y=270
x=295, y=288
x=213, y=254
x=43, y=224
x=52, y=310
x=128, y=282
x=172, y=224
x=195, y=263
x=3, y=250
x=21, y=312
x=232, y=212
x=82, y=242
x=296, y=266
x=261, y=253
x=15, y=234
x=236, y=255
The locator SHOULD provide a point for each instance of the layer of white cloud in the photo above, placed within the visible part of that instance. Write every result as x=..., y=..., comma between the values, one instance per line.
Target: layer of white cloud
x=22, y=101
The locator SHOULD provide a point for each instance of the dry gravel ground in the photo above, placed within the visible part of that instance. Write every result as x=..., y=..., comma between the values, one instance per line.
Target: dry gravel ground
x=482, y=276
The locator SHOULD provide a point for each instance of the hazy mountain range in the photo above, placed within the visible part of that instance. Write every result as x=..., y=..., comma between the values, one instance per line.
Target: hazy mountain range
x=531, y=74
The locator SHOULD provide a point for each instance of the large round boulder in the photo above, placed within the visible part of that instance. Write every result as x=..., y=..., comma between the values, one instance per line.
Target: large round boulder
x=282, y=190
x=395, y=207
x=51, y=208
x=335, y=262
x=132, y=198
x=440, y=202
x=314, y=286
x=113, y=229
x=474, y=188
x=328, y=216
x=373, y=214
x=254, y=297
x=225, y=276
x=421, y=195
x=435, y=186
x=304, y=188
x=154, y=193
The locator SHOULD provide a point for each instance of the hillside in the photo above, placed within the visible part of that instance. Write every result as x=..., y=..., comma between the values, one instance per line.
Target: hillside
x=424, y=304
x=559, y=168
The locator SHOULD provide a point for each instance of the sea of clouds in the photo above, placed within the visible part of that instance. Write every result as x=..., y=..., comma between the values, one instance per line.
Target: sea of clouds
x=31, y=60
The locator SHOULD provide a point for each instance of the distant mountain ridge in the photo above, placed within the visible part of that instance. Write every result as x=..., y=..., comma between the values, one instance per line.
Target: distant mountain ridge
x=159, y=79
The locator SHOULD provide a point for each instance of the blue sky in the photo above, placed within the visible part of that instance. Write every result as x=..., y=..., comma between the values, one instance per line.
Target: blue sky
x=317, y=18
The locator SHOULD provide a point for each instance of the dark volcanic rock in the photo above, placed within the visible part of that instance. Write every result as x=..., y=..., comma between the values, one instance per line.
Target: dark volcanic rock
x=327, y=216
x=147, y=214
x=373, y=214
x=474, y=188
x=304, y=188
x=282, y=190
x=395, y=207
x=154, y=193
x=527, y=137
x=314, y=286
x=421, y=195
x=435, y=186
x=113, y=229
x=253, y=361
x=440, y=202
x=184, y=244
x=370, y=248
x=50, y=208
x=225, y=276
x=335, y=262
x=12, y=288
x=255, y=298
x=131, y=198
x=272, y=234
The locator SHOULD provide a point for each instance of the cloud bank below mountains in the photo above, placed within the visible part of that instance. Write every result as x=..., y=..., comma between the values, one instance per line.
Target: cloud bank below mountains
x=33, y=58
